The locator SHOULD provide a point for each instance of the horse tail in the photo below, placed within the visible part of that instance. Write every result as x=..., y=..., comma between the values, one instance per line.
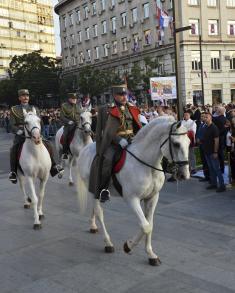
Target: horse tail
x=82, y=192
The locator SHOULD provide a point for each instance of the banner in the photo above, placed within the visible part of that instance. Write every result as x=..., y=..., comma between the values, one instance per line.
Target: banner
x=163, y=88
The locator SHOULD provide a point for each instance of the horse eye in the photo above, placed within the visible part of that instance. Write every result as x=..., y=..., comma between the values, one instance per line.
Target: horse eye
x=176, y=144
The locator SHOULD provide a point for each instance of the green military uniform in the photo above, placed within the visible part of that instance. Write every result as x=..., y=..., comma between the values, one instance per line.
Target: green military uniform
x=69, y=116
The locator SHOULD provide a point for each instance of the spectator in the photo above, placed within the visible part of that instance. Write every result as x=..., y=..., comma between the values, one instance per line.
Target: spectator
x=210, y=144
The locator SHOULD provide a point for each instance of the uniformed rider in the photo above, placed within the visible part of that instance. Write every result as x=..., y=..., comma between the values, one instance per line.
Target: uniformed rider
x=69, y=115
x=115, y=129
x=17, y=127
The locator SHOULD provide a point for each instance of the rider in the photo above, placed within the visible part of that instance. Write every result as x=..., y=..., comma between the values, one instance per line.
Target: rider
x=115, y=129
x=69, y=115
x=17, y=127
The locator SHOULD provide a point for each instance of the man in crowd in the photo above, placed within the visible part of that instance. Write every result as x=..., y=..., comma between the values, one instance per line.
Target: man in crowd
x=210, y=145
x=191, y=127
x=115, y=129
x=17, y=127
x=69, y=116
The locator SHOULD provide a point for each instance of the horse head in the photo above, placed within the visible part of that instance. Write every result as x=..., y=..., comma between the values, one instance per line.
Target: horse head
x=32, y=126
x=85, y=122
x=176, y=148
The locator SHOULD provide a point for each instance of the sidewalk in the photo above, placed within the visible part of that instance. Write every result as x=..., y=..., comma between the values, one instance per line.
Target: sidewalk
x=194, y=235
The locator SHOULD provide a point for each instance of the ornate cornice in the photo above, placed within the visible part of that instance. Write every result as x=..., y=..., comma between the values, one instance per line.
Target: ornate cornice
x=61, y=4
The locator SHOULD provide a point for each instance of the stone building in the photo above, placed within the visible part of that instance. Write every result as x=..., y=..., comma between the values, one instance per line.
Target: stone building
x=25, y=26
x=119, y=33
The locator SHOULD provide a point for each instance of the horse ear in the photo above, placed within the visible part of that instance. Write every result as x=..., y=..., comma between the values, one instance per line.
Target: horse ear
x=178, y=124
x=34, y=111
x=24, y=112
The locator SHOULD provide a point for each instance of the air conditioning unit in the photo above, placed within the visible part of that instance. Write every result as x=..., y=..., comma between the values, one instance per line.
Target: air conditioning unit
x=131, y=25
x=111, y=7
x=78, y=21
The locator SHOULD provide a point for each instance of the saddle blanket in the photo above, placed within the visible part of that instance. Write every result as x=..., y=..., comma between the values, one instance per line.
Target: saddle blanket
x=120, y=162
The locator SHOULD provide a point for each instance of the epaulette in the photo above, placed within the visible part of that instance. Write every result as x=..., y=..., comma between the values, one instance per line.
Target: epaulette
x=14, y=111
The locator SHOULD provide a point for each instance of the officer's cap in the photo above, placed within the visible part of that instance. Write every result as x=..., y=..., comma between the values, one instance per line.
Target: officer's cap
x=72, y=96
x=119, y=89
x=22, y=92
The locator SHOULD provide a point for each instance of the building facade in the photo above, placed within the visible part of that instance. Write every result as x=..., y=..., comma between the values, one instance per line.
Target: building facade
x=25, y=26
x=119, y=33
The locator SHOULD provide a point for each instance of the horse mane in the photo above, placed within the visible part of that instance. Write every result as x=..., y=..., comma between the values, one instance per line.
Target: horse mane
x=162, y=120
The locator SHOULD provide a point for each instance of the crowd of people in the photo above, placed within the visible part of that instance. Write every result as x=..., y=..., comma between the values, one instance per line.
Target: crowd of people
x=211, y=130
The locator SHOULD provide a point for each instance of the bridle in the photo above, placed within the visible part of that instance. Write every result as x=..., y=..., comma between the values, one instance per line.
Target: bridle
x=29, y=132
x=178, y=163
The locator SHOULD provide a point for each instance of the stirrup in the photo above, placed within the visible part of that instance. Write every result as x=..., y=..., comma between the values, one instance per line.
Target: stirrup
x=104, y=195
x=65, y=156
x=13, y=177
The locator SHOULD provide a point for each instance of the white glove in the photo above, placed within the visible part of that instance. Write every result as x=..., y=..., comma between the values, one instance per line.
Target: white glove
x=19, y=132
x=70, y=122
x=123, y=143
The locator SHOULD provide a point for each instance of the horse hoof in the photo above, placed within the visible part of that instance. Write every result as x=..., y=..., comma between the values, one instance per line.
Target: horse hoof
x=71, y=184
x=126, y=248
x=29, y=199
x=26, y=206
x=37, y=226
x=94, y=231
x=109, y=249
x=41, y=217
x=154, y=261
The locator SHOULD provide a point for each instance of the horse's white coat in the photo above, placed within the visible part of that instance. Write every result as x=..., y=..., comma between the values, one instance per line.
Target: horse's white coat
x=138, y=181
x=82, y=137
x=35, y=162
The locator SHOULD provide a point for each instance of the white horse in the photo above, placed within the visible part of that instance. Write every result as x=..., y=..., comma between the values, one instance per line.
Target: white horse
x=82, y=137
x=35, y=162
x=141, y=177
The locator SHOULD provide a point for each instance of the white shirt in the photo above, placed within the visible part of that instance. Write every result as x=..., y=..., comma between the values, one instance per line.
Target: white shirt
x=190, y=125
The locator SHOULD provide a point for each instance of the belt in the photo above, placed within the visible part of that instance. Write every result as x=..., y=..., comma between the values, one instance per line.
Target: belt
x=126, y=132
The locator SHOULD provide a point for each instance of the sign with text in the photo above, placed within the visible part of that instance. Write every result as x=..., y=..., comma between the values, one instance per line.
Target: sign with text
x=163, y=88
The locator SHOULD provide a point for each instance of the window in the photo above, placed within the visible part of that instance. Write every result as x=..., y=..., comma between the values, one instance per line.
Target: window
x=124, y=44
x=134, y=15
x=194, y=26
x=146, y=10
x=233, y=95
x=87, y=30
x=72, y=40
x=135, y=43
x=212, y=3
x=197, y=97
x=88, y=52
x=215, y=60
x=95, y=30
x=231, y=3
x=79, y=37
x=78, y=14
x=104, y=27
x=86, y=11
x=216, y=96
x=173, y=63
x=64, y=22
x=231, y=28
x=195, y=57
x=123, y=19
x=113, y=23
x=114, y=47
x=193, y=2
x=65, y=42
x=113, y=2
x=106, y=52
x=81, y=57
x=212, y=27
x=18, y=33
x=147, y=37
x=103, y=4
x=97, y=52
x=94, y=8
x=73, y=61
x=71, y=19
x=232, y=60
x=66, y=61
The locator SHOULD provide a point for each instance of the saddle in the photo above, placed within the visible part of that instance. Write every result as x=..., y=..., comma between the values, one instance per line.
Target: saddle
x=70, y=137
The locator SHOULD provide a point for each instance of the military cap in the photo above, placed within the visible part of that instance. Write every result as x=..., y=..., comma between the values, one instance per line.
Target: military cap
x=22, y=92
x=118, y=89
x=72, y=96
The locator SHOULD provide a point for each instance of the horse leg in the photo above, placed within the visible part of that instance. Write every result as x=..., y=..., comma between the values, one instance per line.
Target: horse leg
x=22, y=186
x=150, y=206
x=70, y=171
x=98, y=211
x=37, y=224
x=41, y=197
x=93, y=227
x=146, y=227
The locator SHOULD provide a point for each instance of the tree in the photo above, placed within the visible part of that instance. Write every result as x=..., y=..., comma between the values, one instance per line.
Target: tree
x=8, y=92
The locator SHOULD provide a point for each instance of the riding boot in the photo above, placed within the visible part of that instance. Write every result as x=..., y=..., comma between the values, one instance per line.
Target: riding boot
x=13, y=163
x=55, y=168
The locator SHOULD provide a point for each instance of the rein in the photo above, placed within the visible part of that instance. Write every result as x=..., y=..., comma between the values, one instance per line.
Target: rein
x=179, y=163
x=30, y=131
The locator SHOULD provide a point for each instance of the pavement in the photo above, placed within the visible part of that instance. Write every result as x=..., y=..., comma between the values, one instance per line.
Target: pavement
x=194, y=235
